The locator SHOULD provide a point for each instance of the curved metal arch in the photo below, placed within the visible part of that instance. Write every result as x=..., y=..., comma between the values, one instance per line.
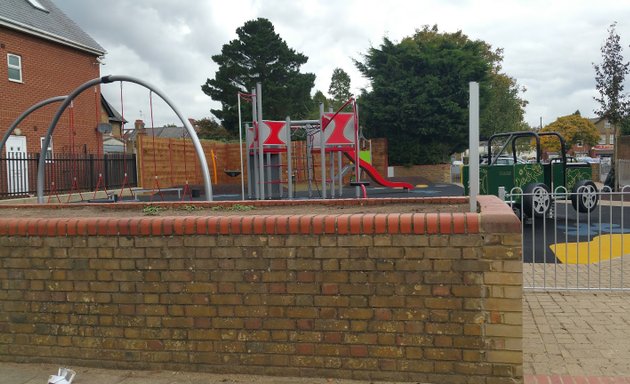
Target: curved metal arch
x=106, y=80
x=24, y=115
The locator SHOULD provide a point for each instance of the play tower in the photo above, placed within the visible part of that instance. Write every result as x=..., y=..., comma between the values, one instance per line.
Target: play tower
x=275, y=159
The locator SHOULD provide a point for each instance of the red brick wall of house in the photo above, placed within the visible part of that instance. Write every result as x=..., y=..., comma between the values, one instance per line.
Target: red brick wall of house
x=48, y=69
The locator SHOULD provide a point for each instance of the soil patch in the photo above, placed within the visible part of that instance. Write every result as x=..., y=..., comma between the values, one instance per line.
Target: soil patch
x=138, y=210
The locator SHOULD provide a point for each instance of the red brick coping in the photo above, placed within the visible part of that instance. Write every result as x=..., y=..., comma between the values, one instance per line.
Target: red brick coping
x=494, y=216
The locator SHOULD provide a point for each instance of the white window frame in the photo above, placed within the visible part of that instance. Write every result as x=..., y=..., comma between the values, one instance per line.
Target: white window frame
x=49, y=151
x=18, y=67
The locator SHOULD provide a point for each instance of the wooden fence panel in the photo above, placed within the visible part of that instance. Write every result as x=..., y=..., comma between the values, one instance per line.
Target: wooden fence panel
x=175, y=161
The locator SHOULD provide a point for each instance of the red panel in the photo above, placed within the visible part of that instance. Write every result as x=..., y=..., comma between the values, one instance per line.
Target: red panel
x=337, y=136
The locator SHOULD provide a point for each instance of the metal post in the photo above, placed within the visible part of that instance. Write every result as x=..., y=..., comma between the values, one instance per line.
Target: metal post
x=340, y=165
x=261, y=159
x=357, y=168
x=473, y=144
x=250, y=167
x=254, y=154
x=357, y=149
x=240, y=147
x=309, y=165
x=332, y=175
x=322, y=149
x=268, y=170
x=289, y=162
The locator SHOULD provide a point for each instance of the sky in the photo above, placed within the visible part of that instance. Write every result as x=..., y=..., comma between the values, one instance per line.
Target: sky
x=549, y=47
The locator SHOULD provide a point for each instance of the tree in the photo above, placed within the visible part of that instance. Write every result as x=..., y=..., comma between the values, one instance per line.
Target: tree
x=609, y=78
x=318, y=98
x=339, y=88
x=502, y=109
x=210, y=129
x=419, y=93
x=259, y=54
x=574, y=129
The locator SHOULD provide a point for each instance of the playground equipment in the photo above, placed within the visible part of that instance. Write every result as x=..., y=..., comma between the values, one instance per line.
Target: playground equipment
x=271, y=149
x=537, y=181
x=105, y=80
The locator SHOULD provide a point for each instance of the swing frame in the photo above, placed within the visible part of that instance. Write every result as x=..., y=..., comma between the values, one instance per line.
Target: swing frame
x=109, y=79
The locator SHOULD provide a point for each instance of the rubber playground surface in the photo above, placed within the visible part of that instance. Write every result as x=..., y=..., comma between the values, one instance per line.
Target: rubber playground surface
x=422, y=188
x=569, y=238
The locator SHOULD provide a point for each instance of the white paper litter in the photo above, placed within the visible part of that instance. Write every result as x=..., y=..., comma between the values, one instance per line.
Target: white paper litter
x=63, y=376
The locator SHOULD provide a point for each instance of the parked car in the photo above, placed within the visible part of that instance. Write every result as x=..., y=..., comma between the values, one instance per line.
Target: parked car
x=504, y=160
x=590, y=160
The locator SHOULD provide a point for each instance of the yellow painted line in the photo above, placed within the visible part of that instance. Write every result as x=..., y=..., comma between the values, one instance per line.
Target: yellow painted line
x=585, y=252
x=421, y=186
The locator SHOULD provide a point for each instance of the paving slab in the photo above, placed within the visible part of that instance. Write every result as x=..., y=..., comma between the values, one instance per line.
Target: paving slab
x=31, y=373
x=576, y=333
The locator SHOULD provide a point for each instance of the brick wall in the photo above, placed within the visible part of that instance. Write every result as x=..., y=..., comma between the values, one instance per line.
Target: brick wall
x=422, y=297
x=48, y=69
x=436, y=173
x=623, y=149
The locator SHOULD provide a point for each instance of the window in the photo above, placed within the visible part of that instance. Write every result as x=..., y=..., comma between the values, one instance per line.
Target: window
x=602, y=139
x=49, y=151
x=15, y=67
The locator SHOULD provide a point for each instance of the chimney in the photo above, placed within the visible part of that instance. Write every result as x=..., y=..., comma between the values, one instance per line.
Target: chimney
x=139, y=126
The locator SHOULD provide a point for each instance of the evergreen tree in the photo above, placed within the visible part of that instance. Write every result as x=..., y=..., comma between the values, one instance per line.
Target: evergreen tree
x=318, y=98
x=419, y=97
x=259, y=54
x=339, y=88
x=210, y=129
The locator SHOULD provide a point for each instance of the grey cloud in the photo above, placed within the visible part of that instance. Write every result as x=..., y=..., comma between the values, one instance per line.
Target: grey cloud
x=549, y=47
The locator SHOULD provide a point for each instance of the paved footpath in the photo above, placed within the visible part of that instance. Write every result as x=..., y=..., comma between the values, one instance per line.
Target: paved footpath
x=579, y=337
x=568, y=338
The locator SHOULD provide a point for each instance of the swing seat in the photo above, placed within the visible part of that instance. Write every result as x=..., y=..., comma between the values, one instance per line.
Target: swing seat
x=232, y=172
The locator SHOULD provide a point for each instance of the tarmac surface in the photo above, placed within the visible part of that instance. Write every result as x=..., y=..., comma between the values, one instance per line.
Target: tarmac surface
x=580, y=337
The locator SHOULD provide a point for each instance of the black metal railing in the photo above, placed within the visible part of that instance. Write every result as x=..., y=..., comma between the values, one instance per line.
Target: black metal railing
x=65, y=173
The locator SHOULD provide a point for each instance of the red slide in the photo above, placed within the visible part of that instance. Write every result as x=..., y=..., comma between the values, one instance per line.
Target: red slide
x=373, y=173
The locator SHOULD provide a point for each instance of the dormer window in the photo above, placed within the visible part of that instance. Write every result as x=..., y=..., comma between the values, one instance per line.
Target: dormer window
x=38, y=5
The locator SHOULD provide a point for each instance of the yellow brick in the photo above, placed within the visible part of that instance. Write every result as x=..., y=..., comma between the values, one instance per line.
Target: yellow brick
x=410, y=240
x=513, y=357
x=501, y=278
x=499, y=252
x=504, y=330
x=512, y=239
x=513, y=266
x=513, y=292
x=503, y=305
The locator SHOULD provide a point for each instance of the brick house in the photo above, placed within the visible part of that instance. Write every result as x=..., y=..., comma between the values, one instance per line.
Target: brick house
x=45, y=54
x=605, y=147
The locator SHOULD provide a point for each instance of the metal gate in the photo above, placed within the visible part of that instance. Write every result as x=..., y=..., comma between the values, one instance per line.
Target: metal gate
x=565, y=248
